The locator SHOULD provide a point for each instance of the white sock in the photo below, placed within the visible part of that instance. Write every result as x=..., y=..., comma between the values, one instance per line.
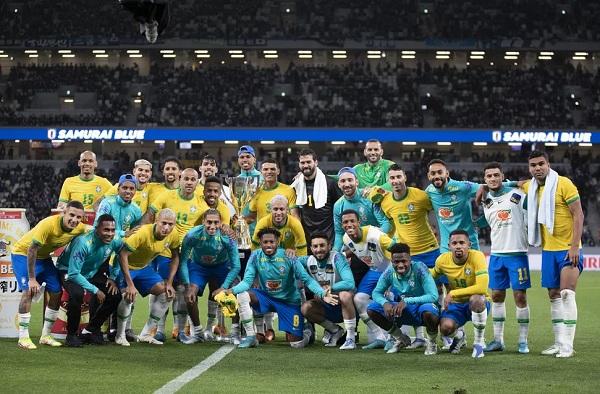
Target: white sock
x=329, y=326
x=432, y=337
x=212, y=314
x=129, y=319
x=160, y=326
x=245, y=311
x=49, y=319
x=259, y=322
x=570, y=318
x=269, y=321
x=405, y=329
x=374, y=332
x=523, y=321
x=180, y=312
x=458, y=333
x=479, y=319
x=123, y=313
x=350, y=325
x=420, y=332
x=158, y=309
x=24, y=319
x=556, y=313
x=498, y=318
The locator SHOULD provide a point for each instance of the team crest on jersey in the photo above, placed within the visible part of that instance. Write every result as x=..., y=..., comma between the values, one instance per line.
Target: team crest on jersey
x=411, y=207
x=503, y=215
x=193, y=209
x=371, y=246
x=411, y=283
x=144, y=195
x=107, y=253
x=453, y=197
x=515, y=198
x=281, y=270
x=445, y=213
x=127, y=218
x=488, y=202
x=287, y=235
x=98, y=189
x=167, y=245
x=467, y=271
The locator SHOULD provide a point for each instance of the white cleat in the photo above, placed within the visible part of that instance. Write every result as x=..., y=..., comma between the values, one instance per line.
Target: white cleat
x=417, y=343
x=430, y=348
x=551, y=351
x=326, y=337
x=566, y=352
x=348, y=345
x=149, y=339
x=121, y=340
x=477, y=351
x=208, y=335
x=335, y=337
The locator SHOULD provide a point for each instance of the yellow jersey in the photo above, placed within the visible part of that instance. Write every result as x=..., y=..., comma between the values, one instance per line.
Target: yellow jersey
x=144, y=246
x=199, y=190
x=221, y=207
x=140, y=197
x=292, y=234
x=85, y=191
x=188, y=211
x=566, y=194
x=50, y=235
x=410, y=220
x=261, y=202
x=465, y=280
x=155, y=189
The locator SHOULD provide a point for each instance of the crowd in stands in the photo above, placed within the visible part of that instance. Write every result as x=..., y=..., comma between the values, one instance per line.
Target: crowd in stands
x=326, y=21
x=358, y=94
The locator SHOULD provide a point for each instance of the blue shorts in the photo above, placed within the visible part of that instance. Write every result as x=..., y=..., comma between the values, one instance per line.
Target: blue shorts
x=200, y=275
x=412, y=315
x=509, y=271
x=290, y=317
x=368, y=282
x=45, y=271
x=552, y=263
x=460, y=312
x=429, y=258
x=162, y=265
x=333, y=313
x=144, y=279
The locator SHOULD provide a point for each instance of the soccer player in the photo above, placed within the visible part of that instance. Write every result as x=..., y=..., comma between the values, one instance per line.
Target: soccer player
x=414, y=301
x=292, y=234
x=371, y=246
x=247, y=162
x=188, y=208
x=80, y=267
x=331, y=270
x=208, y=168
x=316, y=193
x=126, y=214
x=505, y=212
x=276, y=291
x=352, y=198
x=466, y=270
x=85, y=187
x=138, y=274
x=374, y=171
x=142, y=170
x=210, y=199
x=259, y=205
x=33, y=265
x=408, y=208
x=207, y=256
x=555, y=222
x=171, y=173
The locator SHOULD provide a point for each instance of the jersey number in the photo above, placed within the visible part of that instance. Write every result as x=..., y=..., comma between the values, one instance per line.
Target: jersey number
x=182, y=218
x=88, y=199
x=403, y=218
x=296, y=321
x=462, y=283
x=523, y=274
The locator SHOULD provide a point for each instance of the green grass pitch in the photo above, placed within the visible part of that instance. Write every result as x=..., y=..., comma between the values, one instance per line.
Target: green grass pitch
x=276, y=367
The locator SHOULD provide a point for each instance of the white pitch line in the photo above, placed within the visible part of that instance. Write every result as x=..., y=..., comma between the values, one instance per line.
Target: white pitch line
x=192, y=373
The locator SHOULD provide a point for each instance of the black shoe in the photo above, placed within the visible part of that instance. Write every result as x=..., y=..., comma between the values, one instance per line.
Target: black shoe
x=73, y=341
x=130, y=336
x=92, y=338
x=112, y=334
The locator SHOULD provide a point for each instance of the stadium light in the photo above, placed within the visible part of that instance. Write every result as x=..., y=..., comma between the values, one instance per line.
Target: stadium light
x=302, y=142
x=579, y=58
x=169, y=55
x=127, y=141
x=3, y=55
x=167, y=51
x=64, y=51
x=442, y=54
x=510, y=57
x=129, y=51
x=512, y=53
x=88, y=141
x=338, y=142
x=444, y=143
x=232, y=142
x=197, y=141
x=585, y=144
x=30, y=51
x=68, y=55
x=545, y=57
x=237, y=56
x=136, y=55
x=68, y=100
x=408, y=54
x=102, y=55
x=373, y=54
x=551, y=143
x=339, y=54
x=409, y=143
x=98, y=51
x=159, y=141
x=34, y=55
x=480, y=143
x=267, y=142
x=270, y=54
x=514, y=144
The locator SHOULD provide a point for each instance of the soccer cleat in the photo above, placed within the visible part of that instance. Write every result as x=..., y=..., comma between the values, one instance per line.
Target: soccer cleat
x=192, y=339
x=160, y=336
x=551, y=351
x=430, y=348
x=48, y=340
x=122, y=340
x=523, y=348
x=92, y=338
x=348, y=345
x=151, y=31
x=326, y=337
x=335, y=337
x=457, y=344
x=565, y=353
x=376, y=344
x=149, y=339
x=269, y=334
x=208, y=335
x=389, y=344
x=26, y=343
x=494, y=346
x=248, y=342
x=446, y=343
x=73, y=341
x=399, y=343
x=130, y=335
x=417, y=343
x=477, y=351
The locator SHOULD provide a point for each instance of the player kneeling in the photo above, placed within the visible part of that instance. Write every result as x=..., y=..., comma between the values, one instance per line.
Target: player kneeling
x=414, y=295
x=276, y=275
x=331, y=270
x=466, y=270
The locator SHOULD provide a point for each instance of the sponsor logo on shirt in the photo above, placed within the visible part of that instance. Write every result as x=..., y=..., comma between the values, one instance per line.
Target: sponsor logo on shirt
x=445, y=213
x=503, y=215
x=273, y=285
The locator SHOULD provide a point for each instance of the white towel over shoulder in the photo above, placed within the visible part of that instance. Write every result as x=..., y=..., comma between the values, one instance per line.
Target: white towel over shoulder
x=319, y=192
x=544, y=214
